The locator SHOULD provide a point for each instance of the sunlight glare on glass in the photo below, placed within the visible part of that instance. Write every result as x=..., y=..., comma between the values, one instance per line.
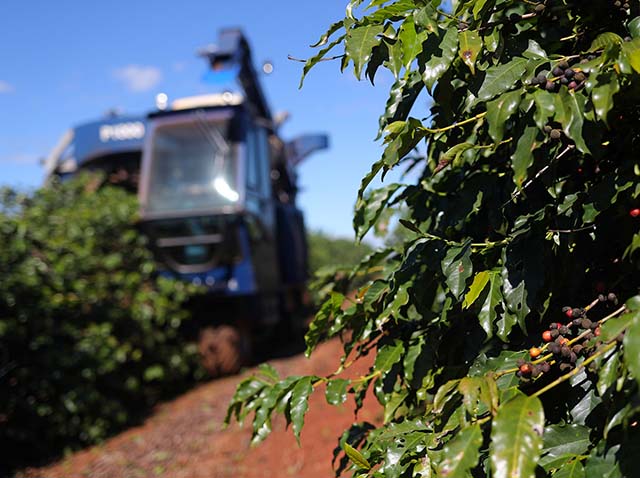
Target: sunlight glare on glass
x=225, y=190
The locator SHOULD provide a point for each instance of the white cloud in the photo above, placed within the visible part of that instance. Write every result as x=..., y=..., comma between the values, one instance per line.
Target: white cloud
x=6, y=87
x=138, y=78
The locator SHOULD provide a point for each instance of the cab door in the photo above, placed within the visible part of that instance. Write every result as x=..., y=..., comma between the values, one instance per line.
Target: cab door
x=260, y=207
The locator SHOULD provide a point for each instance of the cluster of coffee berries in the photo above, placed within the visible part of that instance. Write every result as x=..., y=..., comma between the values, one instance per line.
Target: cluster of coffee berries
x=529, y=370
x=610, y=297
x=554, y=133
x=622, y=5
x=562, y=74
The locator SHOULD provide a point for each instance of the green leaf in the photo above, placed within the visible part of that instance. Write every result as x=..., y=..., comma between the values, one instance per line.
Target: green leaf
x=634, y=27
x=573, y=469
x=453, y=154
x=359, y=44
x=461, y=453
x=411, y=42
x=388, y=355
x=369, y=208
x=604, y=40
x=311, y=62
x=545, y=107
x=336, y=391
x=631, y=344
x=499, y=111
x=608, y=374
x=299, y=404
x=562, y=442
x=470, y=43
x=436, y=66
x=444, y=394
x=502, y=78
x=631, y=50
x=516, y=438
x=457, y=268
x=480, y=281
x=615, y=326
x=356, y=457
x=522, y=157
x=488, y=314
x=602, y=88
x=570, y=110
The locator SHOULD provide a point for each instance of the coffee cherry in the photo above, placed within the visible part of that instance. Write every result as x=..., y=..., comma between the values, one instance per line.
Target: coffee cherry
x=525, y=369
x=550, y=86
x=554, y=348
x=535, y=371
x=568, y=73
x=564, y=81
x=601, y=298
x=557, y=71
x=546, y=336
x=542, y=78
x=562, y=340
x=612, y=297
x=564, y=330
x=565, y=351
x=554, y=333
x=634, y=212
x=585, y=323
x=576, y=322
x=579, y=77
x=555, y=134
x=572, y=85
x=564, y=64
x=565, y=367
x=539, y=8
x=545, y=367
x=547, y=129
x=576, y=349
x=573, y=357
x=534, y=352
x=596, y=332
x=576, y=312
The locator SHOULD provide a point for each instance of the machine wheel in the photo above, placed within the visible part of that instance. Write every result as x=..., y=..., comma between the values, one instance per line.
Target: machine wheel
x=223, y=349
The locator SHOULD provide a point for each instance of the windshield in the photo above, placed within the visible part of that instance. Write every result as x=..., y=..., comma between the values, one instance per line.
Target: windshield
x=191, y=168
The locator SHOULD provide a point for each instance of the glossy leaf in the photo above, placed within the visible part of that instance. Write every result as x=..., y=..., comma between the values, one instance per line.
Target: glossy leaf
x=356, y=457
x=631, y=344
x=488, y=313
x=499, y=111
x=480, y=281
x=522, y=157
x=457, y=268
x=604, y=40
x=336, y=391
x=502, y=78
x=461, y=453
x=436, y=66
x=359, y=44
x=570, y=114
x=602, y=90
x=470, y=45
x=299, y=404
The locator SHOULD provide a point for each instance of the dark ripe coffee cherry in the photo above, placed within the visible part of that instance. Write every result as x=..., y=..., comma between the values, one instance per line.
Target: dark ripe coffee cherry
x=542, y=78
x=611, y=296
x=589, y=336
x=576, y=312
x=539, y=8
x=617, y=4
x=564, y=330
x=568, y=73
x=557, y=71
x=565, y=351
x=554, y=333
x=553, y=325
x=576, y=349
x=585, y=323
x=555, y=134
x=564, y=81
x=579, y=77
x=545, y=367
x=547, y=129
x=564, y=64
x=554, y=348
x=594, y=325
x=550, y=86
x=566, y=309
x=565, y=367
x=576, y=322
x=572, y=85
x=535, y=371
x=602, y=298
x=625, y=6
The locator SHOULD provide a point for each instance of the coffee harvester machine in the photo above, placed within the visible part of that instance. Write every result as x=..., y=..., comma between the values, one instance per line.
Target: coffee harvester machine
x=217, y=189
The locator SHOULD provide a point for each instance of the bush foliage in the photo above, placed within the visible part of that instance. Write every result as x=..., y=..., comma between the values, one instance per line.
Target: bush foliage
x=506, y=324
x=89, y=338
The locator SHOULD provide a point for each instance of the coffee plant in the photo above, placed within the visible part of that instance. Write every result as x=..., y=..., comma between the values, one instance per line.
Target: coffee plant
x=506, y=324
x=90, y=338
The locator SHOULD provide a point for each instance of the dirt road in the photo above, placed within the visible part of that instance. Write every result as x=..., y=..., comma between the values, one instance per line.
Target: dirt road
x=184, y=438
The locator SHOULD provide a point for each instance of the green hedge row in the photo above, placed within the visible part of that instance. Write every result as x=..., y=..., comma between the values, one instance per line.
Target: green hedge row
x=89, y=337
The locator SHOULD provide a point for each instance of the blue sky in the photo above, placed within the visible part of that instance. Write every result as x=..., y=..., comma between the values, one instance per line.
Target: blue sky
x=66, y=61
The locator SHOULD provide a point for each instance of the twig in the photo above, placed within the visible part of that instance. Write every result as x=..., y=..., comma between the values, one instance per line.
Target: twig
x=289, y=57
x=568, y=231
